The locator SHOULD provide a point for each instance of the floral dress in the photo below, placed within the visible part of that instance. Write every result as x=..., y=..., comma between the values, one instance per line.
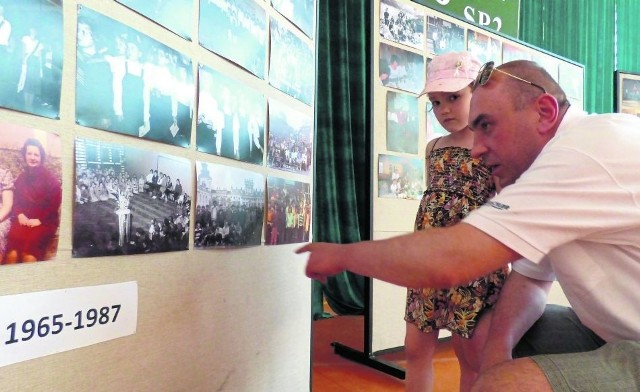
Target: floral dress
x=6, y=183
x=457, y=185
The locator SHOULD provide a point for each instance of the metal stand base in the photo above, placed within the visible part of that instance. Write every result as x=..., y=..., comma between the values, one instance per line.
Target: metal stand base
x=368, y=360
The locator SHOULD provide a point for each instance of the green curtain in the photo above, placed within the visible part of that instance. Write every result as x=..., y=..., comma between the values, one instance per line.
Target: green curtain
x=342, y=195
x=628, y=46
x=582, y=31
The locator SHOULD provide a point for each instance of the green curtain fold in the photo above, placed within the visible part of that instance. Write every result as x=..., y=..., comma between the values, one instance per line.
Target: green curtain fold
x=343, y=142
x=628, y=48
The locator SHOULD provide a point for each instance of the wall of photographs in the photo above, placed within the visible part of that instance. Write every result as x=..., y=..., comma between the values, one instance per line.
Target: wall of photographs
x=406, y=37
x=175, y=149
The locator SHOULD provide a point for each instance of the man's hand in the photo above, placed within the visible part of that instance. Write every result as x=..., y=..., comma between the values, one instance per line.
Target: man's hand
x=324, y=260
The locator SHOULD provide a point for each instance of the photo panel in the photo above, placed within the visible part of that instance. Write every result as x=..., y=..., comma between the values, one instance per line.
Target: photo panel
x=129, y=200
x=434, y=128
x=130, y=84
x=30, y=190
x=175, y=15
x=31, y=47
x=571, y=79
x=401, y=69
x=512, y=52
x=402, y=123
x=484, y=47
x=291, y=64
x=444, y=36
x=290, y=139
x=229, y=207
x=302, y=13
x=237, y=31
x=231, y=118
x=288, y=211
x=400, y=177
x=627, y=93
x=402, y=23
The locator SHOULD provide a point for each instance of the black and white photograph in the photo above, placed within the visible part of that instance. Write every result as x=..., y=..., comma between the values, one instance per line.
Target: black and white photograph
x=30, y=194
x=401, y=69
x=484, y=47
x=130, y=84
x=129, y=200
x=229, y=207
x=292, y=64
x=31, y=56
x=175, y=15
x=444, y=36
x=236, y=30
x=288, y=211
x=290, y=139
x=402, y=123
x=402, y=23
x=231, y=118
x=400, y=177
x=302, y=13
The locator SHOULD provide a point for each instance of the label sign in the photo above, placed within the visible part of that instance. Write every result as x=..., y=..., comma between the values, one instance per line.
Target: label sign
x=34, y=325
x=498, y=15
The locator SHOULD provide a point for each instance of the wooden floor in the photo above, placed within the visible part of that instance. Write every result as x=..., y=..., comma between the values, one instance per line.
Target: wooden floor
x=334, y=373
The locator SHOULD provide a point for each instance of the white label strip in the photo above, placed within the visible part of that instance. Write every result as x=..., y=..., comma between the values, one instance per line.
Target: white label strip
x=34, y=325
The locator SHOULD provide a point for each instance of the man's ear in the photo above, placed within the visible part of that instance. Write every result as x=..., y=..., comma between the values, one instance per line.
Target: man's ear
x=548, y=112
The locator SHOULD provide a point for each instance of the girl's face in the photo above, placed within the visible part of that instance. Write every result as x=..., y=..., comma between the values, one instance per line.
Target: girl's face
x=451, y=109
x=32, y=156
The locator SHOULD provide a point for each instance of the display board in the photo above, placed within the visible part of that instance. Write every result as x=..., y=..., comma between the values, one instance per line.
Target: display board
x=175, y=148
x=406, y=36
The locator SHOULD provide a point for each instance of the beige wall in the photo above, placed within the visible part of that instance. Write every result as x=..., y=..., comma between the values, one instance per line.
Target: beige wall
x=209, y=320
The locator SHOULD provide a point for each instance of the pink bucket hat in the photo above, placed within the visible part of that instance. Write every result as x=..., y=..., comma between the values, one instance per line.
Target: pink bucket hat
x=451, y=72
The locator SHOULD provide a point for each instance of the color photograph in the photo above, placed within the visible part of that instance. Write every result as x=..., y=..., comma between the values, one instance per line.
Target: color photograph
x=484, y=47
x=444, y=36
x=131, y=84
x=628, y=93
x=288, y=211
x=290, y=139
x=400, y=177
x=402, y=123
x=300, y=12
x=236, y=30
x=175, y=15
x=129, y=200
x=401, y=23
x=230, y=207
x=401, y=69
x=31, y=56
x=30, y=194
x=231, y=118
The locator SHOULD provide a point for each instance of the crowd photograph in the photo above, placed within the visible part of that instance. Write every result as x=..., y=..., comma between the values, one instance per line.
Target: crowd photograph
x=290, y=139
x=129, y=200
x=401, y=23
x=288, y=219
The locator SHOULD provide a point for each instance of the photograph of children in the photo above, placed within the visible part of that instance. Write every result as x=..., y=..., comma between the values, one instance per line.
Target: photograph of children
x=231, y=118
x=511, y=52
x=400, y=177
x=292, y=64
x=444, y=36
x=175, y=15
x=131, y=84
x=129, y=200
x=288, y=211
x=402, y=122
x=30, y=194
x=230, y=207
x=290, y=139
x=301, y=12
x=484, y=47
x=236, y=30
x=31, y=56
x=401, y=23
x=401, y=69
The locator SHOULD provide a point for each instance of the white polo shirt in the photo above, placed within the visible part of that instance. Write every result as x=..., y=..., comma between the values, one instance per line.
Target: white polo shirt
x=575, y=213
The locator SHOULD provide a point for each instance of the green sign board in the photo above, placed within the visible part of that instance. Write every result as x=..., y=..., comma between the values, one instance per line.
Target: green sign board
x=498, y=15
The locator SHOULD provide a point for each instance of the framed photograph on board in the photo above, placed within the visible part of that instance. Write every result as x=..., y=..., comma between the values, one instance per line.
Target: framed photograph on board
x=627, y=93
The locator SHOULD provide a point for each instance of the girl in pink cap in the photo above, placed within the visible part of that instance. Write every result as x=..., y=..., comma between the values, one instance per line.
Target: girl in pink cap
x=456, y=184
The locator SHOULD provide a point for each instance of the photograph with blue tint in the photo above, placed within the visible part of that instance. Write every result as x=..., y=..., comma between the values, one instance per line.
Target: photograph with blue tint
x=237, y=31
x=175, y=15
x=129, y=200
x=402, y=122
x=31, y=56
x=302, y=13
x=444, y=36
x=290, y=139
x=230, y=206
x=288, y=211
x=292, y=64
x=128, y=83
x=401, y=69
x=231, y=118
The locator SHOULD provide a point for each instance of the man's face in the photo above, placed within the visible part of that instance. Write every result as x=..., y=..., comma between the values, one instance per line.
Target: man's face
x=504, y=138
